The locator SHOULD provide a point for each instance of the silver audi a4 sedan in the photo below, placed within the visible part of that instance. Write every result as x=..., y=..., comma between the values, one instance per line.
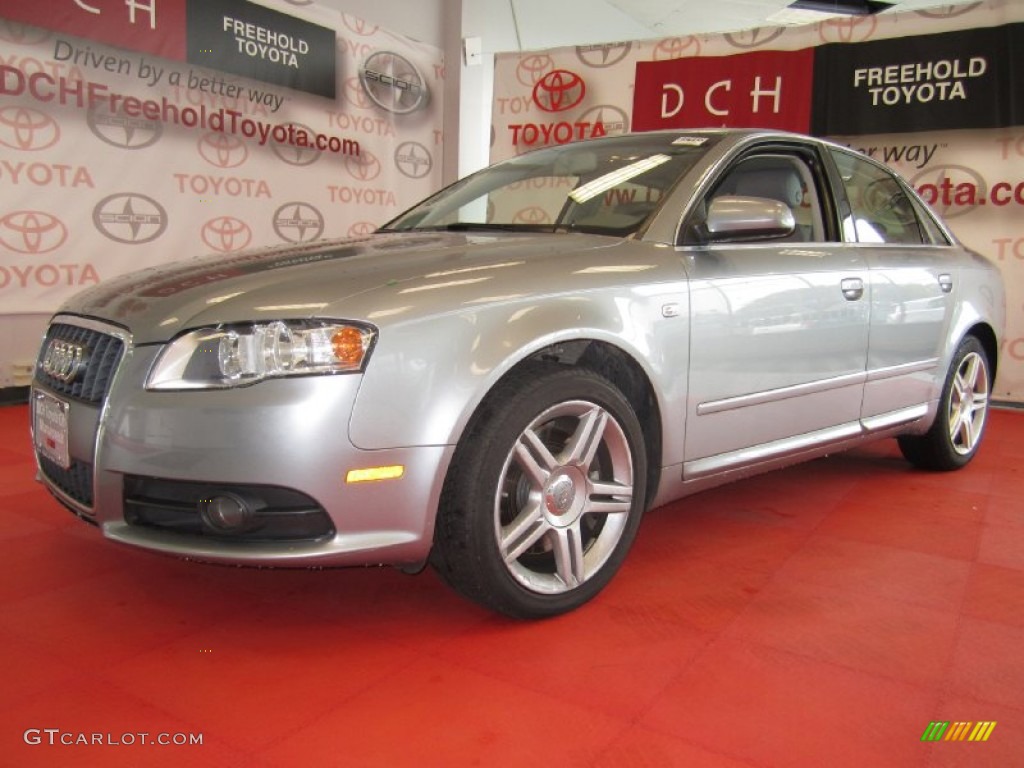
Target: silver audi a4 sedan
x=504, y=378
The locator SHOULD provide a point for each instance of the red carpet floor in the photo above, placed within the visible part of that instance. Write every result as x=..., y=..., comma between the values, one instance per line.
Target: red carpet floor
x=820, y=616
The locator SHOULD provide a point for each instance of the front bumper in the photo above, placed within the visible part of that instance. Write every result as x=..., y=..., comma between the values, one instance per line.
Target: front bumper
x=289, y=434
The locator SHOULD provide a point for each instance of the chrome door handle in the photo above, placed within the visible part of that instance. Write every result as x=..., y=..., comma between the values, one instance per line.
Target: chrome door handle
x=946, y=283
x=852, y=287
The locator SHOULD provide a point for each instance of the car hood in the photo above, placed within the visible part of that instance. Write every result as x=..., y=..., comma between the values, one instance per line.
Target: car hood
x=378, y=276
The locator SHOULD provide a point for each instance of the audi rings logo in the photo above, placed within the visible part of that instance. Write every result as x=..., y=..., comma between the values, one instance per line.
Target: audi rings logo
x=294, y=155
x=361, y=229
x=225, y=234
x=614, y=120
x=755, y=38
x=601, y=56
x=531, y=69
x=856, y=29
x=298, y=223
x=413, y=160
x=32, y=232
x=131, y=218
x=222, y=150
x=676, y=48
x=63, y=360
x=27, y=129
x=393, y=83
x=363, y=167
x=948, y=12
x=123, y=132
x=559, y=90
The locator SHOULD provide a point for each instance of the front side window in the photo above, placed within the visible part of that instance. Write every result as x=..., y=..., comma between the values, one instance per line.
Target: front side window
x=881, y=209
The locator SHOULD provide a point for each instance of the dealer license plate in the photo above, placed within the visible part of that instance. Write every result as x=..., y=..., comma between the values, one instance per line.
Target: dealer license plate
x=50, y=427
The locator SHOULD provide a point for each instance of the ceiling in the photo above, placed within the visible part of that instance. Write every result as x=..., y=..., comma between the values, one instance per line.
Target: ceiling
x=509, y=25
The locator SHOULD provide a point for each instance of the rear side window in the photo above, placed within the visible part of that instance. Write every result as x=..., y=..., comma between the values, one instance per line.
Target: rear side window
x=882, y=210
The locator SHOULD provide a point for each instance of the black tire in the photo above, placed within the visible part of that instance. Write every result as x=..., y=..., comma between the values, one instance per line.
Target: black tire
x=544, y=495
x=960, y=422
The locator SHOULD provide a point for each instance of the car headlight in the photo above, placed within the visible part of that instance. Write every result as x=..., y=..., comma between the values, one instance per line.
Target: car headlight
x=241, y=354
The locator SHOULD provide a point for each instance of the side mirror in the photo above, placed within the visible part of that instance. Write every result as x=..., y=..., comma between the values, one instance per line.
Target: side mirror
x=731, y=217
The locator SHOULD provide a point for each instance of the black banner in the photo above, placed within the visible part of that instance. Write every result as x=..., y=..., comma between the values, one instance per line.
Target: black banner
x=969, y=79
x=263, y=44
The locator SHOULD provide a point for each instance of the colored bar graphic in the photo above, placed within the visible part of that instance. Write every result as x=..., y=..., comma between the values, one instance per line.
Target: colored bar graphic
x=960, y=731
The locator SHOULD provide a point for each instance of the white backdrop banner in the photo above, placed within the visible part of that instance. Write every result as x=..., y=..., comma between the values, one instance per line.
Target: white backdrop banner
x=975, y=178
x=112, y=159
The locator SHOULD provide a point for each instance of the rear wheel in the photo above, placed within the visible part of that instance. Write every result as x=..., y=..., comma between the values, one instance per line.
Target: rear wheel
x=545, y=494
x=959, y=425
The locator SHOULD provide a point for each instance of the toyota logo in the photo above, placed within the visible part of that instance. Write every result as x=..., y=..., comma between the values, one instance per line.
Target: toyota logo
x=531, y=69
x=853, y=30
x=131, y=218
x=122, y=131
x=226, y=234
x=222, y=150
x=559, y=90
x=27, y=129
x=63, y=360
x=32, y=232
x=754, y=38
x=934, y=185
x=676, y=48
x=948, y=11
x=360, y=27
x=601, y=56
x=298, y=223
x=393, y=83
x=363, y=167
x=295, y=155
x=413, y=160
x=532, y=215
x=362, y=229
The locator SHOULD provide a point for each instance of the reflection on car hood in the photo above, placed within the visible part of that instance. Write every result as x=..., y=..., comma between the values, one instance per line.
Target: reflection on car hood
x=433, y=271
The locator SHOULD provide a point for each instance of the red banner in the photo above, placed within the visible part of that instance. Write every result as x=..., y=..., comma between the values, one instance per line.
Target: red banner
x=762, y=89
x=156, y=27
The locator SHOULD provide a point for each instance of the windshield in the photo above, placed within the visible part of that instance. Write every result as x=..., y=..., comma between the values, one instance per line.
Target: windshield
x=608, y=186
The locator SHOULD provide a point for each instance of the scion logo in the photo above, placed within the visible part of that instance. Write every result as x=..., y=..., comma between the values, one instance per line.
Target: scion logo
x=952, y=190
x=413, y=160
x=559, y=90
x=27, y=129
x=122, y=131
x=676, y=48
x=358, y=26
x=361, y=229
x=20, y=34
x=948, y=11
x=531, y=69
x=298, y=223
x=393, y=83
x=222, y=150
x=601, y=56
x=532, y=215
x=63, y=360
x=363, y=167
x=614, y=120
x=131, y=218
x=297, y=155
x=32, y=232
x=355, y=95
x=226, y=234
x=855, y=29
x=755, y=38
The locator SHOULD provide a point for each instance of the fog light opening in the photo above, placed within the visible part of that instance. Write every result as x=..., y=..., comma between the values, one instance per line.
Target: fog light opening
x=226, y=513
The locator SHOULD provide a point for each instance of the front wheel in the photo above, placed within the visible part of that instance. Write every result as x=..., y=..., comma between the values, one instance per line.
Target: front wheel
x=545, y=494
x=959, y=425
